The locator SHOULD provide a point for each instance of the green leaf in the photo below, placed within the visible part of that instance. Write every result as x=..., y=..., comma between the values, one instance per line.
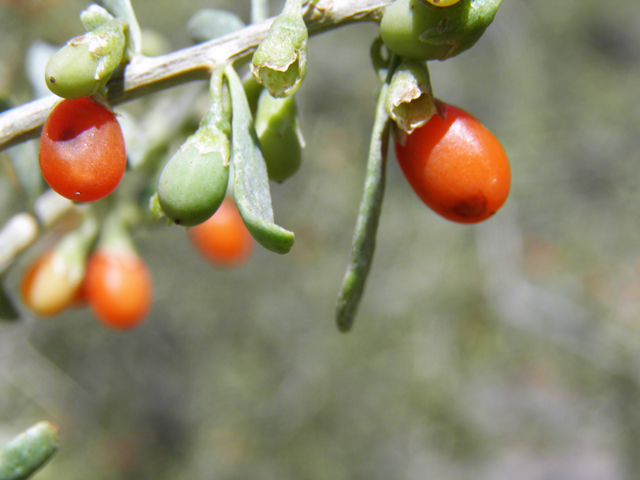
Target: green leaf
x=364, y=237
x=28, y=452
x=251, y=184
x=210, y=23
x=123, y=9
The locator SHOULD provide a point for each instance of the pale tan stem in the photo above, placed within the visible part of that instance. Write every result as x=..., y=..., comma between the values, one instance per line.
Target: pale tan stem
x=144, y=75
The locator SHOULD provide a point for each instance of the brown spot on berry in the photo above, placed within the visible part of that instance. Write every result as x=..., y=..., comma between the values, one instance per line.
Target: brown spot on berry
x=471, y=207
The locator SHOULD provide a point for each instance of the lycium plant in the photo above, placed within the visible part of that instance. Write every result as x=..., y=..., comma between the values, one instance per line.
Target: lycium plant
x=249, y=136
x=256, y=138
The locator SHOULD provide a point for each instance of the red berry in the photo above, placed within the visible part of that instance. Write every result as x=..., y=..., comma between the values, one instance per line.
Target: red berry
x=82, y=153
x=456, y=166
x=223, y=239
x=118, y=288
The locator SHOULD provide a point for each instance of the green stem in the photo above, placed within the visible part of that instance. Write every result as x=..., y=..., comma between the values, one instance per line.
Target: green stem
x=114, y=235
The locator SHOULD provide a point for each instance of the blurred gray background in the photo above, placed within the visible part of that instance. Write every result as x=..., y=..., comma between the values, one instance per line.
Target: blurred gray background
x=505, y=350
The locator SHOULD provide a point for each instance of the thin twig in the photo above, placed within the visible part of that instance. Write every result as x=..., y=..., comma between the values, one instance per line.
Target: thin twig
x=145, y=75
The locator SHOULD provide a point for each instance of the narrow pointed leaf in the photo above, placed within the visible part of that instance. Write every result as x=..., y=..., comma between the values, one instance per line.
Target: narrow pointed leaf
x=123, y=9
x=251, y=188
x=364, y=237
x=28, y=452
x=209, y=23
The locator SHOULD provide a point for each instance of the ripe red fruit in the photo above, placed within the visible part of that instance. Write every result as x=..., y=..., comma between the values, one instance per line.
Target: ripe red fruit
x=47, y=288
x=456, y=166
x=223, y=239
x=118, y=288
x=82, y=153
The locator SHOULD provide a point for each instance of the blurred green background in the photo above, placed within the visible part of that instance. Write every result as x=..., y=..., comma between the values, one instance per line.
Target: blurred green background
x=505, y=350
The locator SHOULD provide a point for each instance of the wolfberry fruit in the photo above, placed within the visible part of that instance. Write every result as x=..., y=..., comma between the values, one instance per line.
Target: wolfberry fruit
x=223, y=239
x=47, y=288
x=118, y=288
x=82, y=153
x=456, y=166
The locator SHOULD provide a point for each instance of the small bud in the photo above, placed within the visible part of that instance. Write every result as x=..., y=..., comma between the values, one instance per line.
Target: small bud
x=409, y=99
x=280, y=137
x=280, y=62
x=94, y=16
x=86, y=62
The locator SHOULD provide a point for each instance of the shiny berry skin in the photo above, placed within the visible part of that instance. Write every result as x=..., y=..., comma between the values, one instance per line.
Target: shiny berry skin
x=223, y=239
x=118, y=288
x=456, y=166
x=82, y=153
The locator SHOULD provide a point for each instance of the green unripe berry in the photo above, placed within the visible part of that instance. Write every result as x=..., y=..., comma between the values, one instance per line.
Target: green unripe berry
x=280, y=138
x=192, y=185
x=402, y=24
x=418, y=30
x=252, y=90
x=194, y=181
x=70, y=73
x=86, y=62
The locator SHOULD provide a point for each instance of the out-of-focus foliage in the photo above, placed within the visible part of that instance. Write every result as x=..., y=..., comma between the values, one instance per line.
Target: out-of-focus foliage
x=506, y=350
